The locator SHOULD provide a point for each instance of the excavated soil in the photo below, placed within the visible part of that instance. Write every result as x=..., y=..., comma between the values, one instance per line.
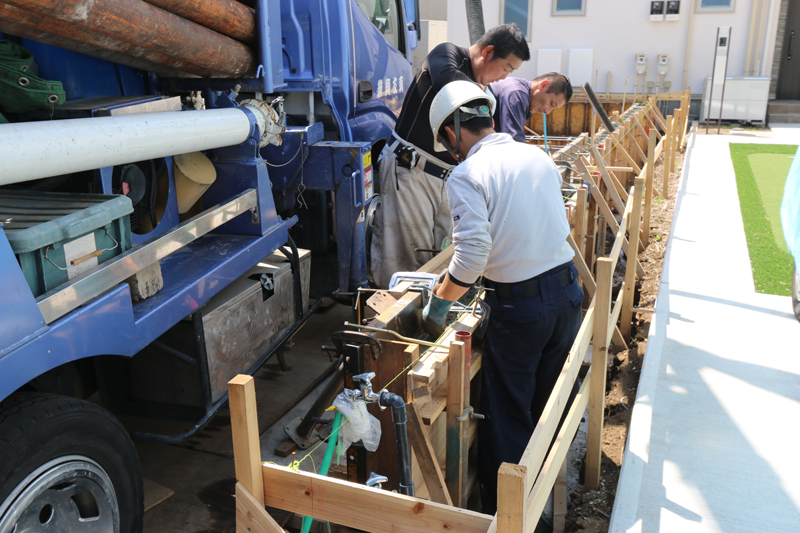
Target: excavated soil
x=589, y=511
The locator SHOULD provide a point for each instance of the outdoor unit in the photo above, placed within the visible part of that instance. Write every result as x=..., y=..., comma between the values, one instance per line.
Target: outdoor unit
x=745, y=100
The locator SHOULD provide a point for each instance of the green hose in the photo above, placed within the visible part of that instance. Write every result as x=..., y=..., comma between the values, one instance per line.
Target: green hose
x=326, y=461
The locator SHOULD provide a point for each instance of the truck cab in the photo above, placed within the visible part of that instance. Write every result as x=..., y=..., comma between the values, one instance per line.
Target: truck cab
x=148, y=214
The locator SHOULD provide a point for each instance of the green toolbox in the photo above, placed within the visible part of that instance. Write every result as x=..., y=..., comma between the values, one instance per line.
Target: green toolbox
x=58, y=236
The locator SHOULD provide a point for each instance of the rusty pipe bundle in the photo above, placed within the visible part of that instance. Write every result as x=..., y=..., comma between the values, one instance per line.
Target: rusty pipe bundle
x=140, y=31
x=227, y=17
x=21, y=23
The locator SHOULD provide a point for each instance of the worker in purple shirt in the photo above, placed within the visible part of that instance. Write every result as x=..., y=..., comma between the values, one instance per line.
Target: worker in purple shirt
x=518, y=99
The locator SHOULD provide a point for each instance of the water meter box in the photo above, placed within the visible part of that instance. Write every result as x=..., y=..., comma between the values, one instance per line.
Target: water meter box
x=243, y=320
x=58, y=236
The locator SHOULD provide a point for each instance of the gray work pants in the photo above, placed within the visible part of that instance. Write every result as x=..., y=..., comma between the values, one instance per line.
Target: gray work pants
x=414, y=214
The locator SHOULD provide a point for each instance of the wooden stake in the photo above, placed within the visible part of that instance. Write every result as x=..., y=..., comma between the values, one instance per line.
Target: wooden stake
x=457, y=436
x=648, y=187
x=633, y=247
x=244, y=425
x=597, y=386
x=667, y=156
x=426, y=457
x=511, y=498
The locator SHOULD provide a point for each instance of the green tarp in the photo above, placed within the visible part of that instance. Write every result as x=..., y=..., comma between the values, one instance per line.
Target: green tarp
x=20, y=89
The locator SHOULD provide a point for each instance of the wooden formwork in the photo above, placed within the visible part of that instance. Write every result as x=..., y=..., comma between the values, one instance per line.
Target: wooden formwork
x=435, y=382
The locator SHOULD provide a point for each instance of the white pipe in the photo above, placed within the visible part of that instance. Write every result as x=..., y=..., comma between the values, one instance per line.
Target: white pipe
x=758, y=60
x=688, y=41
x=33, y=150
x=748, y=62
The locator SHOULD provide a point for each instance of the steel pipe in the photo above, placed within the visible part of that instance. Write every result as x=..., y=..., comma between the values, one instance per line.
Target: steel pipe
x=150, y=28
x=33, y=150
x=21, y=23
x=227, y=17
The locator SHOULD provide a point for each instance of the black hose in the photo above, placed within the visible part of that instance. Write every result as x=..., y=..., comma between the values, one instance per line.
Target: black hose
x=398, y=406
x=475, y=20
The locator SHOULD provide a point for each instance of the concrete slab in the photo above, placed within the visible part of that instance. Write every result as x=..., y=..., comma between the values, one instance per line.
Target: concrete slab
x=713, y=434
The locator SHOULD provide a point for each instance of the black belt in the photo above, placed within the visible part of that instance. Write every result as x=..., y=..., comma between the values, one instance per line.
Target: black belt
x=407, y=157
x=529, y=287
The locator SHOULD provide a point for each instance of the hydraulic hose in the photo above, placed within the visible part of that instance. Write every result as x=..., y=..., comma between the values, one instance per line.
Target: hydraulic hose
x=326, y=461
x=398, y=406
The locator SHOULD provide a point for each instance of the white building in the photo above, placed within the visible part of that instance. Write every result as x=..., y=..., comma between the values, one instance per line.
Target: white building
x=597, y=41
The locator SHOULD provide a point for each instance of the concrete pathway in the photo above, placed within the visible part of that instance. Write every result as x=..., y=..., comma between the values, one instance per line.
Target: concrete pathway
x=714, y=438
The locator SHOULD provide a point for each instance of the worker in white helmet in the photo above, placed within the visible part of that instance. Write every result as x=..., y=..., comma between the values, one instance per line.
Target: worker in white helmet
x=509, y=226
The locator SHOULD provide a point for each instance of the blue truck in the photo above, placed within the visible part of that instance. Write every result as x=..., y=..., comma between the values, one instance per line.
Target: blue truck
x=162, y=232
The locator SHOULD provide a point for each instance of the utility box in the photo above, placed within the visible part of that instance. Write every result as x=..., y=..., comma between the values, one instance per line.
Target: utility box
x=745, y=100
x=243, y=320
x=58, y=236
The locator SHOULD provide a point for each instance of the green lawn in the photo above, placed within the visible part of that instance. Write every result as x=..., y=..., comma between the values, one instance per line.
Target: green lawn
x=761, y=171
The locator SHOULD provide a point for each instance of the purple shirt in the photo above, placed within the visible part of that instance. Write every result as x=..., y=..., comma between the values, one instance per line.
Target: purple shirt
x=513, y=106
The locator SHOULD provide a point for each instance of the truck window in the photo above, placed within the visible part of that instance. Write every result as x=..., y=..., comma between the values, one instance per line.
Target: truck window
x=384, y=15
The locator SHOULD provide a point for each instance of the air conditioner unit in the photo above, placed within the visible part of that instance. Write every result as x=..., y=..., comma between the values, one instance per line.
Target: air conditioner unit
x=745, y=100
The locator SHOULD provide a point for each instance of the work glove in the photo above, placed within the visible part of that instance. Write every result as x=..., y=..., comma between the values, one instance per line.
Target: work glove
x=434, y=314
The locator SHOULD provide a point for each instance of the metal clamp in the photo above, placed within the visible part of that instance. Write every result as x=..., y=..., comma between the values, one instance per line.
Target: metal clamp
x=468, y=413
x=376, y=480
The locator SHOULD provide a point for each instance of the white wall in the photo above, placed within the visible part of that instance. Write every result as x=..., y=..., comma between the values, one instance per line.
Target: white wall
x=618, y=33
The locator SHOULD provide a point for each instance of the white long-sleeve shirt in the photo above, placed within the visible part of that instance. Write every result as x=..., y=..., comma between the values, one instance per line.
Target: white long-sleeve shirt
x=509, y=221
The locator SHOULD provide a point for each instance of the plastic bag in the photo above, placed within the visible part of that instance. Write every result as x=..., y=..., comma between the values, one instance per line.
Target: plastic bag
x=359, y=424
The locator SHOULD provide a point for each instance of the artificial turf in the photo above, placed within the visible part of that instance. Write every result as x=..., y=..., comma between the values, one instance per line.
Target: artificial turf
x=761, y=171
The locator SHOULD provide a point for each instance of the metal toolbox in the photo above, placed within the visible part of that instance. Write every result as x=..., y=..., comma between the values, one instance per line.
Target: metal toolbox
x=247, y=317
x=57, y=236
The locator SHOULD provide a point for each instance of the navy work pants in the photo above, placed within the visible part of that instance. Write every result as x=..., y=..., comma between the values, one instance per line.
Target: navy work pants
x=526, y=344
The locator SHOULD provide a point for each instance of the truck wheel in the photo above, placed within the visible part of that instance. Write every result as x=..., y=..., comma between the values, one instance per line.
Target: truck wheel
x=66, y=465
x=796, y=293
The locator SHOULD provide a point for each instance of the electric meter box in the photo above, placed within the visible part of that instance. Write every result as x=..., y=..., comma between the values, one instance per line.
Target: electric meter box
x=673, y=10
x=57, y=236
x=641, y=63
x=657, y=11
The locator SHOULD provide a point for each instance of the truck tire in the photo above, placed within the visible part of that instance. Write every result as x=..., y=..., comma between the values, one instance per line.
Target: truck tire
x=66, y=465
x=796, y=293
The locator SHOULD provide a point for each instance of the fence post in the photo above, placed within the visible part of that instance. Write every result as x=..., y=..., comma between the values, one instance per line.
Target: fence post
x=597, y=385
x=633, y=250
x=511, y=498
x=456, y=434
x=244, y=426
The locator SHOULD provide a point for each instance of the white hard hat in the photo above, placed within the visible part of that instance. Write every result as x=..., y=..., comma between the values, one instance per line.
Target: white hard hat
x=451, y=97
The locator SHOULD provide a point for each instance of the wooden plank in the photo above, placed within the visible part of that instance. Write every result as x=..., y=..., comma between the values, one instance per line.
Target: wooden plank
x=633, y=247
x=511, y=498
x=244, y=426
x=600, y=341
x=381, y=301
x=615, y=197
x=426, y=456
x=457, y=444
x=357, y=506
x=154, y=493
x=537, y=499
x=251, y=517
x=393, y=360
x=583, y=269
x=648, y=187
x=560, y=500
x=431, y=410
